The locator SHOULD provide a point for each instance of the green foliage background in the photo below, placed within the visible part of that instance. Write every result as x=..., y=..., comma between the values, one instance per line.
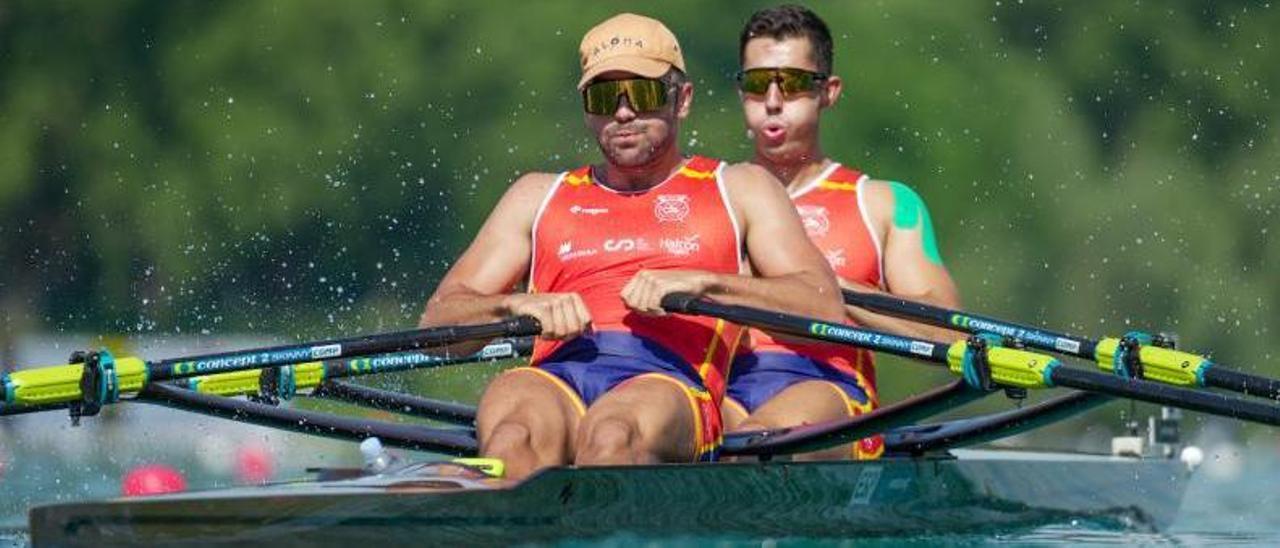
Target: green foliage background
x=311, y=168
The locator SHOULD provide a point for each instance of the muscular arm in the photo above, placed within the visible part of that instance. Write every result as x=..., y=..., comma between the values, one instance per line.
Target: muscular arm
x=913, y=267
x=791, y=275
x=478, y=288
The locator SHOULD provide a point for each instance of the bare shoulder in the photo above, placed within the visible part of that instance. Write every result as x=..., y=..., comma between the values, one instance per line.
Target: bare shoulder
x=878, y=194
x=747, y=176
x=521, y=201
x=752, y=187
x=532, y=186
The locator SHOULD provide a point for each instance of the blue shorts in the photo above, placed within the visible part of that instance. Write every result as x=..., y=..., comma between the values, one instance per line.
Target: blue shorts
x=594, y=364
x=756, y=378
x=591, y=365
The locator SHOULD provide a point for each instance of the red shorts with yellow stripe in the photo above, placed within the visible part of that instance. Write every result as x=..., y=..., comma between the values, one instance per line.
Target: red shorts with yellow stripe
x=591, y=365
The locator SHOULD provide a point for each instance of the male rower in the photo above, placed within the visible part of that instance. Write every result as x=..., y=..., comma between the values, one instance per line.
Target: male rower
x=876, y=235
x=613, y=379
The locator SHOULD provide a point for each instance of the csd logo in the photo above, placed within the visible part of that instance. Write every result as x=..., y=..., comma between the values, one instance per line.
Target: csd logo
x=617, y=245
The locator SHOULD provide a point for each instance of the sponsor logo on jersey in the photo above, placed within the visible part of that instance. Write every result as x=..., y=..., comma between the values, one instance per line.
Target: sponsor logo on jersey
x=836, y=258
x=568, y=253
x=592, y=211
x=622, y=245
x=816, y=222
x=671, y=208
x=681, y=247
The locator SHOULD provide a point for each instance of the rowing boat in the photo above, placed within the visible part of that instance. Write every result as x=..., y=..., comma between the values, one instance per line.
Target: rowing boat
x=961, y=490
x=932, y=480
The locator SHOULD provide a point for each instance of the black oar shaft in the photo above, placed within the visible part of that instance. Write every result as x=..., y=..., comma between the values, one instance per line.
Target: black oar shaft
x=961, y=321
x=410, y=361
x=1215, y=375
x=453, y=442
x=396, y=402
x=806, y=327
x=816, y=437
x=1059, y=376
x=1243, y=383
x=917, y=440
x=9, y=409
x=1162, y=394
x=338, y=348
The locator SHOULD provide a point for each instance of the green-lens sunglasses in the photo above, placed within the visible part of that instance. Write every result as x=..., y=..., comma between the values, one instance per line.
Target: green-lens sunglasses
x=643, y=94
x=790, y=80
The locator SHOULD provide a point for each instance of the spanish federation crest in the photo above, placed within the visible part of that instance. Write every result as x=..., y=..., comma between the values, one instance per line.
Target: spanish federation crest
x=816, y=223
x=671, y=208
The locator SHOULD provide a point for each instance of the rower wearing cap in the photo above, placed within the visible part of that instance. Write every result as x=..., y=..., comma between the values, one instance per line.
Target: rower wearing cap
x=614, y=380
x=876, y=235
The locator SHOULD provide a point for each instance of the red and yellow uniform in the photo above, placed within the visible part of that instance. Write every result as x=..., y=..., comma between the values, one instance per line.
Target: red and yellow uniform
x=591, y=240
x=834, y=214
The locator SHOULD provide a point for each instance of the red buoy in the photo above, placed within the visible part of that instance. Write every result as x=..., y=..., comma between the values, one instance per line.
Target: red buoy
x=152, y=479
x=254, y=464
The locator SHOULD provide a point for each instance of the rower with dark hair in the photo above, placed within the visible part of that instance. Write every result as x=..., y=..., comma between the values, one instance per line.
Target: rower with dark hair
x=876, y=235
x=615, y=380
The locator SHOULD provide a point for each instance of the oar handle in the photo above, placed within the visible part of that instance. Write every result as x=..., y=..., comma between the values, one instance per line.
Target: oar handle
x=680, y=303
x=799, y=326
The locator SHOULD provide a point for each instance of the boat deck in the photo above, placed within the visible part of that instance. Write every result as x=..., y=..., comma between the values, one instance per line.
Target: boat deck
x=967, y=490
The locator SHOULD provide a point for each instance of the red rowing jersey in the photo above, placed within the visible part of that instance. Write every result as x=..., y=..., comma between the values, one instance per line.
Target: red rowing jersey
x=833, y=209
x=590, y=239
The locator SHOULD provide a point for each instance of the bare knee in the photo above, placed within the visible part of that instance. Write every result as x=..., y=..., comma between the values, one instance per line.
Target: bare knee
x=505, y=438
x=610, y=441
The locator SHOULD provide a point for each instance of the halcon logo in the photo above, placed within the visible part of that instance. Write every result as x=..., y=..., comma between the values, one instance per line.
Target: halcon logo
x=579, y=210
x=681, y=247
x=671, y=208
x=816, y=222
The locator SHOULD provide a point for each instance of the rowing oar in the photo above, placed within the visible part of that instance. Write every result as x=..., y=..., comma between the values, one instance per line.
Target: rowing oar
x=1133, y=355
x=459, y=442
x=815, y=437
x=282, y=383
x=102, y=378
x=981, y=362
x=273, y=384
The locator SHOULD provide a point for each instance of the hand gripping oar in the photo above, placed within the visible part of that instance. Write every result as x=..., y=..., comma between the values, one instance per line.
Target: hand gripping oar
x=1134, y=355
x=102, y=378
x=980, y=362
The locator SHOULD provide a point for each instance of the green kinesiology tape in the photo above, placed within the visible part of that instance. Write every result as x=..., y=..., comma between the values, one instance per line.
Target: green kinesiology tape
x=909, y=213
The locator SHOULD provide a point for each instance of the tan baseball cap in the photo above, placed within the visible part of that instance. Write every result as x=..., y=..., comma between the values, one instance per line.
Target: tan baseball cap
x=631, y=43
